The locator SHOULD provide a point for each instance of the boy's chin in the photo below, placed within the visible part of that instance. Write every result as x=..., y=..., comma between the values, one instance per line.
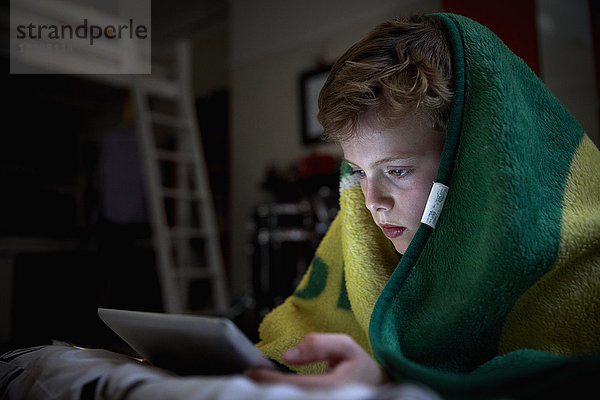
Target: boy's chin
x=400, y=246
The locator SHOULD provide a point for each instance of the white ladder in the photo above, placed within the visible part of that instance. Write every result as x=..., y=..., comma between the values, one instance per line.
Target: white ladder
x=185, y=235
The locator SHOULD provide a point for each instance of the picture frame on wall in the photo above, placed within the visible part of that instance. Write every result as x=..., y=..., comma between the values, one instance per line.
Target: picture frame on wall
x=311, y=83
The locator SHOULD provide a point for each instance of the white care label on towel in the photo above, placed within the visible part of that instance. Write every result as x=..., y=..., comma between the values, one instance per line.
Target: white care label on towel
x=434, y=205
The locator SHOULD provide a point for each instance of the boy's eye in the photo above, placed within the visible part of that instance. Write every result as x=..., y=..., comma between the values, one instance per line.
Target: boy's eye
x=359, y=172
x=399, y=173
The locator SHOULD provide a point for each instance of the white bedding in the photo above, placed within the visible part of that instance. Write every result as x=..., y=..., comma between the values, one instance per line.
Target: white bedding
x=61, y=371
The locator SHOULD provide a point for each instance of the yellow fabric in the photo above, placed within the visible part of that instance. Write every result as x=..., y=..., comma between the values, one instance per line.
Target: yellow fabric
x=559, y=314
x=366, y=269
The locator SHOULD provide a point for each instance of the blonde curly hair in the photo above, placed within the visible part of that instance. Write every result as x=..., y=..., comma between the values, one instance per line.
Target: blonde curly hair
x=402, y=67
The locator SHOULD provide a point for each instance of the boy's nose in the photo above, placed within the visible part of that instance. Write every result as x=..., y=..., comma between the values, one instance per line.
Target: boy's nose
x=377, y=197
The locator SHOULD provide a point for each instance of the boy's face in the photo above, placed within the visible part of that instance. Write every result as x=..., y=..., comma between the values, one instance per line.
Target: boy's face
x=396, y=167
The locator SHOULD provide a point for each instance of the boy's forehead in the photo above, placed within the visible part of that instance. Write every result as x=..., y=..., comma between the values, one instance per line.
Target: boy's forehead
x=373, y=128
x=377, y=144
x=408, y=138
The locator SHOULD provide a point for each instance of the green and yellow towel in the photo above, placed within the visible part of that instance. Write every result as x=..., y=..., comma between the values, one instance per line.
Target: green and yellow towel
x=503, y=296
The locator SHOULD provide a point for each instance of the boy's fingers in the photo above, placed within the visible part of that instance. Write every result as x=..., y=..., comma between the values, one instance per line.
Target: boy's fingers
x=263, y=374
x=331, y=348
x=345, y=359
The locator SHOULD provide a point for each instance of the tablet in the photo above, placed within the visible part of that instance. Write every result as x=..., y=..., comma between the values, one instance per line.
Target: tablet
x=186, y=344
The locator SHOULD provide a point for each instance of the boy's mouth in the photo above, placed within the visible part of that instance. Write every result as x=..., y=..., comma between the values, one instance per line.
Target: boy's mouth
x=392, y=231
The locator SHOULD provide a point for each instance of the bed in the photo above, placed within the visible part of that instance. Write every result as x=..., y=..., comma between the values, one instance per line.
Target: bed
x=63, y=371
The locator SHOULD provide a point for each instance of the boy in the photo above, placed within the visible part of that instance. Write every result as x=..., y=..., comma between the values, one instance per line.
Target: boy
x=466, y=251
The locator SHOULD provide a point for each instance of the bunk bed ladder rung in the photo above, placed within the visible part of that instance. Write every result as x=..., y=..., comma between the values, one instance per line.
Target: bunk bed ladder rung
x=176, y=240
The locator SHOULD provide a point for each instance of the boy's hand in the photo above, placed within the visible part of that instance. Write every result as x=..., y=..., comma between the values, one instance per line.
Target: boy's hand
x=346, y=362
